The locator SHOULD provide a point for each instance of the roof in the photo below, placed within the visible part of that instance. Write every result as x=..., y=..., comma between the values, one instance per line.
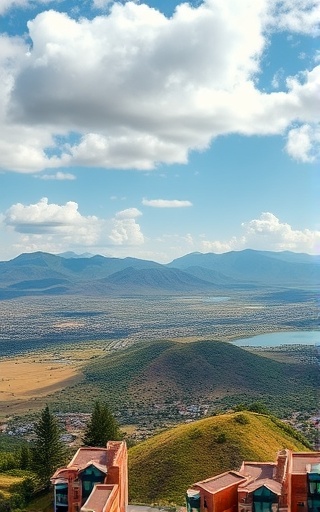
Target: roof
x=98, y=498
x=272, y=485
x=258, y=470
x=60, y=474
x=301, y=461
x=86, y=456
x=219, y=482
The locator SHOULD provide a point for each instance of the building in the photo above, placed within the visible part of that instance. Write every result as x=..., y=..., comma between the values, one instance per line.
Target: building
x=95, y=480
x=291, y=484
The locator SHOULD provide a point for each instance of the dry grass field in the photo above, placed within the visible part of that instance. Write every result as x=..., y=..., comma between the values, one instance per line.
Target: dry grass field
x=29, y=377
x=6, y=481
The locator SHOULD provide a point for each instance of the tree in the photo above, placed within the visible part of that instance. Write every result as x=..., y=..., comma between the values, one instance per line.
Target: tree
x=259, y=408
x=48, y=452
x=24, y=457
x=102, y=427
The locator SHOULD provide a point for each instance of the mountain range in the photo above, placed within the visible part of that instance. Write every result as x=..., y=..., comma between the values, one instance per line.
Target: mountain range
x=42, y=273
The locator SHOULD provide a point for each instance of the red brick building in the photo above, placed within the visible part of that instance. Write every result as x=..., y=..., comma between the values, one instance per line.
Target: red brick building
x=291, y=484
x=95, y=480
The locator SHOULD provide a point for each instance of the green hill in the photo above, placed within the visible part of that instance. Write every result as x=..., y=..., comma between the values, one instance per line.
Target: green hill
x=163, y=467
x=160, y=374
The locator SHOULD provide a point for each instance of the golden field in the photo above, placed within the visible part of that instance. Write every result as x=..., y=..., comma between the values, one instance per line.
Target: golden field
x=32, y=377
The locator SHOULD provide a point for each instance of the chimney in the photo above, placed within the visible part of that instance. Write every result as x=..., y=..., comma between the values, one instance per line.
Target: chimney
x=281, y=467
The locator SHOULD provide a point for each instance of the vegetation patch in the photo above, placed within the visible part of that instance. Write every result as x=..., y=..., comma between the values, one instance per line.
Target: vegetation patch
x=163, y=467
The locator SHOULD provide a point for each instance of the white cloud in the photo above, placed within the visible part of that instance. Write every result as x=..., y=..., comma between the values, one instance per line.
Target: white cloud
x=220, y=247
x=138, y=88
x=269, y=233
x=102, y=4
x=304, y=143
x=46, y=218
x=126, y=231
x=6, y=5
x=302, y=16
x=129, y=213
x=123, y=151
x=54, y=228
x=165, y=203
x=277, y=78
x=59, y=176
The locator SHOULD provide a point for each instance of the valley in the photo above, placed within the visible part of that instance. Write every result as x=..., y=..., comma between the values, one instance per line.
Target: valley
x=153, y=340
x=144, y=356
x=30, y=323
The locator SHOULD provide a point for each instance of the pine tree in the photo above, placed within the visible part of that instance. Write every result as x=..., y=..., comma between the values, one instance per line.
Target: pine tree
x=102, y=427
x=48, y=452
x=24, y=457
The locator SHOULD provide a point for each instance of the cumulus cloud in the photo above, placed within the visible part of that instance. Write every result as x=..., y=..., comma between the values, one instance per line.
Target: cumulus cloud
x=53, y=227
x=166, y=203
x=46, y=218
x=304, y=143
x=302, y=16
x=126, y=231
x=135, y=88
x=269, y=233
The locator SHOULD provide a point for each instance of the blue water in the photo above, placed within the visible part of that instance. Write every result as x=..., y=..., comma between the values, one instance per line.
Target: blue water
x=276, y=339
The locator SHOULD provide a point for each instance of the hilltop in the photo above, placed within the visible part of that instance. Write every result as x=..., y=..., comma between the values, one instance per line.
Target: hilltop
x=163, y=467
x=156, y=378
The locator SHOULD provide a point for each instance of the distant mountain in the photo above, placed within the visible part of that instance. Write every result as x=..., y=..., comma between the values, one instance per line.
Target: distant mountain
x=71, y=254
x=42, y=273
x=162, y=468
x=293, y=257
x=160, y=278
x=250, y=266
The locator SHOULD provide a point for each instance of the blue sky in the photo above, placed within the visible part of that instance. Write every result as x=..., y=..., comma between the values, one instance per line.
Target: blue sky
x=158, y=128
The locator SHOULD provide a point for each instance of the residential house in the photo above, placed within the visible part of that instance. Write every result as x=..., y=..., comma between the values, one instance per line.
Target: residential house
x=95, y=480
x=291, y=484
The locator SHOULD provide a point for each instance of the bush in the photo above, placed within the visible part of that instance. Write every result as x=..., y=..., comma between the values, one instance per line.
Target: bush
x=221, y=438
x=24, y=489
x=242, y=419
x=4, y=503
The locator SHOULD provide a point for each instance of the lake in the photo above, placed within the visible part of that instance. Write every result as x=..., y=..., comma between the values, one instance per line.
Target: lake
x=276, y=339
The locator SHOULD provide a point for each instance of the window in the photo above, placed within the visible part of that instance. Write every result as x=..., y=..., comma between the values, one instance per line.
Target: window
x=264, y=500
x=90, y=477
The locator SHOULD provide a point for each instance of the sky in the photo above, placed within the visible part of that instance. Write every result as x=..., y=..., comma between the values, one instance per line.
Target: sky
x=156, y=128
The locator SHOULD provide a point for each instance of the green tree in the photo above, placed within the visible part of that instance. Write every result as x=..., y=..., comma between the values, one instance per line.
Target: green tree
x=259, y=408
x=102, y=427
x=24, y=457
x=48, y=452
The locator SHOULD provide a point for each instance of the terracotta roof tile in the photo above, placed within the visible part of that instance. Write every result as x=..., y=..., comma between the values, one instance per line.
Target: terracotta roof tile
x=258, y=470
x=219, y=482
x=84, y=456
x=97, y=499
x=272, y=485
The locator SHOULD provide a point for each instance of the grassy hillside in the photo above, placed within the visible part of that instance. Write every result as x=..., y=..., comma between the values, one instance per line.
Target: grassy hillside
x=162, y=468
x=209, y=371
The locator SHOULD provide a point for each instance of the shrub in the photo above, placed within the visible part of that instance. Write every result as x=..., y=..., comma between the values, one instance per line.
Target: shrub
x=242, y=419
x=221, y=438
